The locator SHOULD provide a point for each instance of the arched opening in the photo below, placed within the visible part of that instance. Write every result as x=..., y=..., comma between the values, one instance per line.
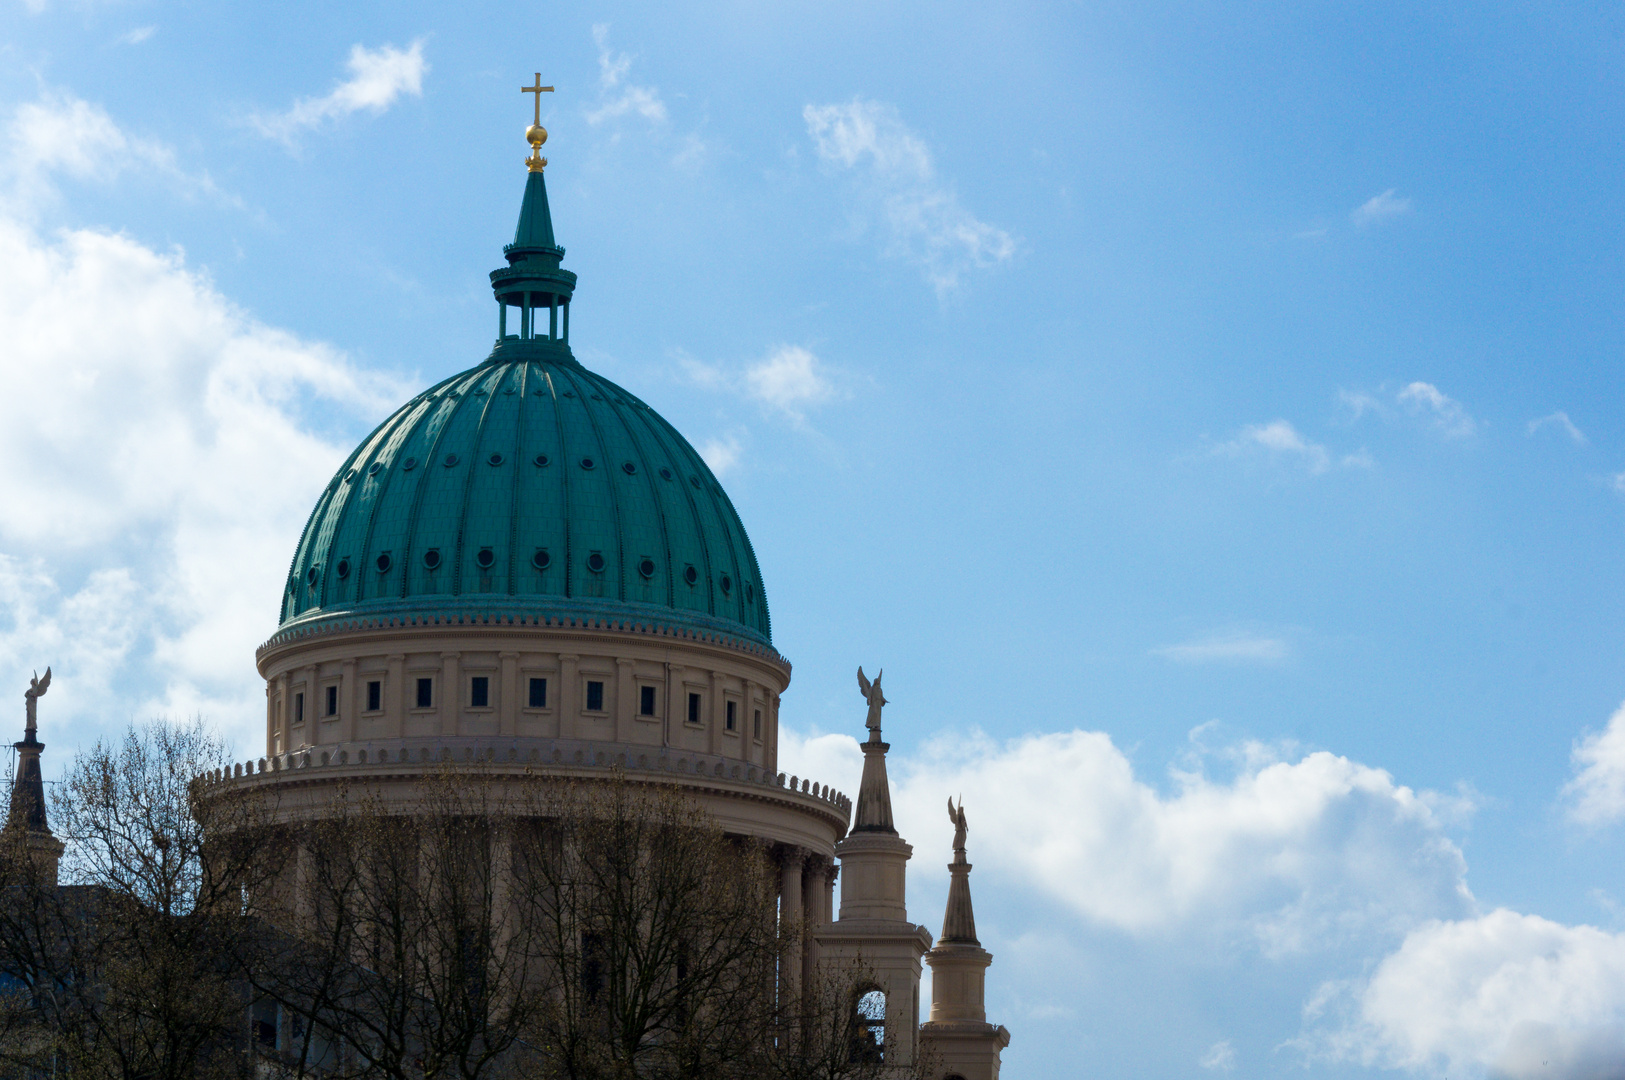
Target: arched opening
x=869, y=1026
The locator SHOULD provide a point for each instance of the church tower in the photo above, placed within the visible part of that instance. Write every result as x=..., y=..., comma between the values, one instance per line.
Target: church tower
x=873, y=926
x=25, y=818
x=962, y=1044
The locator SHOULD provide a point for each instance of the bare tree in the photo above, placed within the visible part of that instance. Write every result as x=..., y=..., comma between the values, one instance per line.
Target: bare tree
x=126, y=969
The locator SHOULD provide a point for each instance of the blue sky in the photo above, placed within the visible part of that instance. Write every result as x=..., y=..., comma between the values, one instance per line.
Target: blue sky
x=1209, y=417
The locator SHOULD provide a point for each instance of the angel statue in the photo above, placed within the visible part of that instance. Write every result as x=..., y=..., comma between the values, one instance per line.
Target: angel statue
x=960, y=828
x=877, y=701
x=36, y=690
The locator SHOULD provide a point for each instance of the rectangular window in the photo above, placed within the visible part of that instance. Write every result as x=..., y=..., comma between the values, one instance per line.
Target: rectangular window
x=299, y=708
x=595, y=697
x=756, y=725
x=425, y=693
x=538, y=693
x=375, y=696
x=479, y=692
x=730, y=723
x=693, y=708
x=332, y=701
x=646, y=703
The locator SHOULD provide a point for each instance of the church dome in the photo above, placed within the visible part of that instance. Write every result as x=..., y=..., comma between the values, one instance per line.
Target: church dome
x=528, y=486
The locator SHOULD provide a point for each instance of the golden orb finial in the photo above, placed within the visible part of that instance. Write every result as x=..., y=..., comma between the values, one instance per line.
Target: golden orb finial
x=536, y=134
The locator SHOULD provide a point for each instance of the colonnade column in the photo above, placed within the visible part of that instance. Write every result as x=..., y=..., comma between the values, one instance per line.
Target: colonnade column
x=812, y=903
x=790, y=922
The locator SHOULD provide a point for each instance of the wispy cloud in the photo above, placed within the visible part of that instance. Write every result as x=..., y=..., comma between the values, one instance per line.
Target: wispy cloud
x=1220, y=1057
x=897, y=183
x=1227, y=648
x=617, y=96
x=1278, y=440
x=1379, y=208
x=1447, y=415
x=1595, y=795
x=790, y=379
x=1561, y=421
x=60, y=135
x=723, y=455
x=378, y=78
x=138, y=35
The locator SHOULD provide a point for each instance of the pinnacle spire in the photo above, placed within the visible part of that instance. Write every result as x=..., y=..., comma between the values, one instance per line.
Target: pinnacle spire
x=958, y=920
x=874, y=793
x=26, y=813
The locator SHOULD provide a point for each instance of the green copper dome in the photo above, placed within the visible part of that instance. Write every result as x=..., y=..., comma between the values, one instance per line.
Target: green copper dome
x=528, y=486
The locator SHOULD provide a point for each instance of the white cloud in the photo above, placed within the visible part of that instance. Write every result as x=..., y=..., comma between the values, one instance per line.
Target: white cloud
x=1380, y=208
x=1596, y=794
x=1279, y=439
x=1561, y=421
x=1448, y=415
x=1290, y=855
x=620, y=98
x=898, y=183
x=61, y=135
x=832, y=759
x=1505, y=995
x=789, y=378
x=161, y=470
x=722, y=455
x=138, y=35
x=1220, y=1057
x=1227, y=648
x=378, y=77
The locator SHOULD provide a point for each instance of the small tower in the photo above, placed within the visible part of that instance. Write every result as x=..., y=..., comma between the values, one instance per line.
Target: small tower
x=873, y=925
x=27, y=812
x=960, y=1040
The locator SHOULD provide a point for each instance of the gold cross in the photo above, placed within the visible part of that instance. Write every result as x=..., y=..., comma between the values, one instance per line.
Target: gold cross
x=538, y=90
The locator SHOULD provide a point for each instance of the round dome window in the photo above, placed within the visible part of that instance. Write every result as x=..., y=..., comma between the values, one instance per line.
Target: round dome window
x=311, y=575
x=375, y=468
x=750, y=593
x=486, y=558
x=431, y=559
x=541, y=560
x=409, y=464
x=691, y=575
x=587, y=463
x=647, y=568
x=384, y=563
x=595, y=563
x=495, y=459
x=726, y=582
x=628, y=468
x=694, y=480
x=343, y=568
x=349, y=476
x=451, y=459
x=540, y=461
x=665, y=474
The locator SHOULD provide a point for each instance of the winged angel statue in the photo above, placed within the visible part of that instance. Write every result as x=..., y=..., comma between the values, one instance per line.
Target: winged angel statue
x=36, y=690
x=877, y=701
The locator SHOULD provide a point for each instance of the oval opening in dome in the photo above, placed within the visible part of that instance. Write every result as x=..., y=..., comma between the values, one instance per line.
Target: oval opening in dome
x=587, y=463
x=628, y=468
x=665, y=474
x=540, y=461
x=541, y=560
x=451, y=459
x=595, y=563
x=486, y=558
x=750, y=593
x=495, y=459
x=375, y=468
x=691, y=575
x=431, y=558
x=343, y=568
x=384, y=563
x=595, y=397
x=349, y=476
x=409, y=464
x=694, y=480
x=311, y=576
x=647, y=568
x=726, y=582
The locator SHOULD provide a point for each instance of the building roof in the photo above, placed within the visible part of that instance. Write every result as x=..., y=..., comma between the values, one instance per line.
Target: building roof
x=528, y=480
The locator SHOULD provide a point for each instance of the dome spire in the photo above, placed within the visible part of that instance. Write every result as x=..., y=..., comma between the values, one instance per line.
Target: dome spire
x=533, y=280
